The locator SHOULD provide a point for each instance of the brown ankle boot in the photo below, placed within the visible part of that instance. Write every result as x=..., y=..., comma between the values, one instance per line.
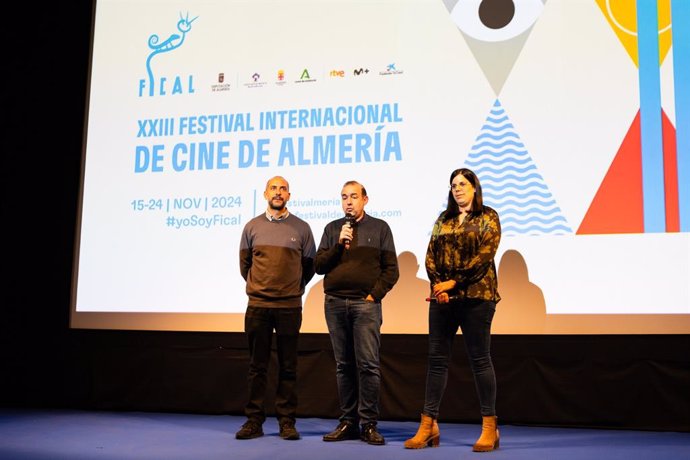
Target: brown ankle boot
x=428, y=434
x=489, y=439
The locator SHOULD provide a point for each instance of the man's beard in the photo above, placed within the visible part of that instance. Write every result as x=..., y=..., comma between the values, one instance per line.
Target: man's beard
x=277, y=207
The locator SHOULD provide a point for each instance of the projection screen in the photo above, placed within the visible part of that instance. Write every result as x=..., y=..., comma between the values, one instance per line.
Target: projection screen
x=575, y=115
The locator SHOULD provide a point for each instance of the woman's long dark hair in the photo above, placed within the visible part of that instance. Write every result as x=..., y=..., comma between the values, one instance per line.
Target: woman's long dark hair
x=452, y=209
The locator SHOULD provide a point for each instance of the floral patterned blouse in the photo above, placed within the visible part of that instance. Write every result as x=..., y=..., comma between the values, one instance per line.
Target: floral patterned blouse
x=464, y=252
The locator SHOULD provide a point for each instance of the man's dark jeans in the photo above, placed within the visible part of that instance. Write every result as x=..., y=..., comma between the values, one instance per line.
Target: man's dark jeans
x=354, y=326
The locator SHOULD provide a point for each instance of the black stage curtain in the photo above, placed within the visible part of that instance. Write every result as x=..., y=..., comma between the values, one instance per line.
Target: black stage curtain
x=625, y=382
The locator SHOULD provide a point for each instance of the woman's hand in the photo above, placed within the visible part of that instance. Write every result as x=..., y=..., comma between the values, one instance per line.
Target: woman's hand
x=442, y=288
x=443, y=298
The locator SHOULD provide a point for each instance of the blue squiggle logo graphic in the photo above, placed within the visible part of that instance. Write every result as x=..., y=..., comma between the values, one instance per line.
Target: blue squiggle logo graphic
x=174, y=41
x=511, y=183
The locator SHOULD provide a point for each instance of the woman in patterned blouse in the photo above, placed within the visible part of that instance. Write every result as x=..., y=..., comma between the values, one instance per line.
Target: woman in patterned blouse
x=462, y=273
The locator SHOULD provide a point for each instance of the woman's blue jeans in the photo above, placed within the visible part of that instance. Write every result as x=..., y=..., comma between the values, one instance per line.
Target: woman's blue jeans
x=354, y=326
x=474, y=319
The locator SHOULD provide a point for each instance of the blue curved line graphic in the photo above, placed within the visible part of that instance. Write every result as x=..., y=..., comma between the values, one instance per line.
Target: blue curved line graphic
x=514, y=182
x=499, y=145
x=497, y=120
x=509, y=154
x=497, y=137
x=512, y=202
x=490, y=177
x=509, y=228
x=529, y=197
x=509, y=219
x=507, y=168
x=522, y=210
x=498, y=127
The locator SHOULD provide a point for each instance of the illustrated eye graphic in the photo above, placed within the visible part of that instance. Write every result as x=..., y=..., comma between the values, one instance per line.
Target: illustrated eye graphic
x=495, y=20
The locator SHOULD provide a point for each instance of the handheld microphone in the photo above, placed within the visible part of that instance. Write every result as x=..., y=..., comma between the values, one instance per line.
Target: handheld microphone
x=350, y=222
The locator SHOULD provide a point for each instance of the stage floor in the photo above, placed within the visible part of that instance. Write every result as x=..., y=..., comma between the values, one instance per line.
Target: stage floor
x=67, y=434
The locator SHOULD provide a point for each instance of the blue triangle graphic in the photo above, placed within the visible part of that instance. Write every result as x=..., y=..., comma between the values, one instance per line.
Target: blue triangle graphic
x=511, y=183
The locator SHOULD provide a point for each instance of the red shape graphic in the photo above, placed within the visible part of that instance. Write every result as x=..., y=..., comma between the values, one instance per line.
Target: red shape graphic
x=617, y=205
x=670, y=175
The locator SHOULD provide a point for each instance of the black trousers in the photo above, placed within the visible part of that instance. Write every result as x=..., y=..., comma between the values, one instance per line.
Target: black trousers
x=474, y=318
x=259, y=324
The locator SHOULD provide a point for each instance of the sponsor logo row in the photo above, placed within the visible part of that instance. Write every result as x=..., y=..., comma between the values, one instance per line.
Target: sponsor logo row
x=281, y=78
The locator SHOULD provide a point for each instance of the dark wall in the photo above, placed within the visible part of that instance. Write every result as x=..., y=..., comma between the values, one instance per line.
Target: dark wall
x=636, y=382
x=44, y=67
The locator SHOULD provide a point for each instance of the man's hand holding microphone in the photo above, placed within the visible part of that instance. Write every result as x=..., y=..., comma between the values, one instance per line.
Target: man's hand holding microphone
x=347, y=232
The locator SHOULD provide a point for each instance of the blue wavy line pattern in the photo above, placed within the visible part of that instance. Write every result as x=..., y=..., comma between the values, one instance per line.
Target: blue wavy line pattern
x=511, y=182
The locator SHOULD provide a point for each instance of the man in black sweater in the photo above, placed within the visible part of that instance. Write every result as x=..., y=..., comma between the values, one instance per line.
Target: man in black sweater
x=357, y=256
x=277, y=261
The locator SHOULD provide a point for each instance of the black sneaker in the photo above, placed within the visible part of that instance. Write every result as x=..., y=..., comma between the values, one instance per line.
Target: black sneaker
x=250, y=430
x=370, y=435
x=288, y=430
x=346, y=429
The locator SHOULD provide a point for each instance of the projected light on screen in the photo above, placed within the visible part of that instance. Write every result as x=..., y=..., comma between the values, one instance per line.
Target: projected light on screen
x=197, y=105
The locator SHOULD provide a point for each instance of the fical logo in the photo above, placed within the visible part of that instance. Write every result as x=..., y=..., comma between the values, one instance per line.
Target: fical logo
x=161, y=85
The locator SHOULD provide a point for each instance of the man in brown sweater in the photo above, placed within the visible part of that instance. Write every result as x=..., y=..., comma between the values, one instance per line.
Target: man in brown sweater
x=277, y=252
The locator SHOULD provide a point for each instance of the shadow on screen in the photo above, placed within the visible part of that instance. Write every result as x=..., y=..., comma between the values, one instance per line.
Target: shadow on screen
x=404, y=307
x=522, y=309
